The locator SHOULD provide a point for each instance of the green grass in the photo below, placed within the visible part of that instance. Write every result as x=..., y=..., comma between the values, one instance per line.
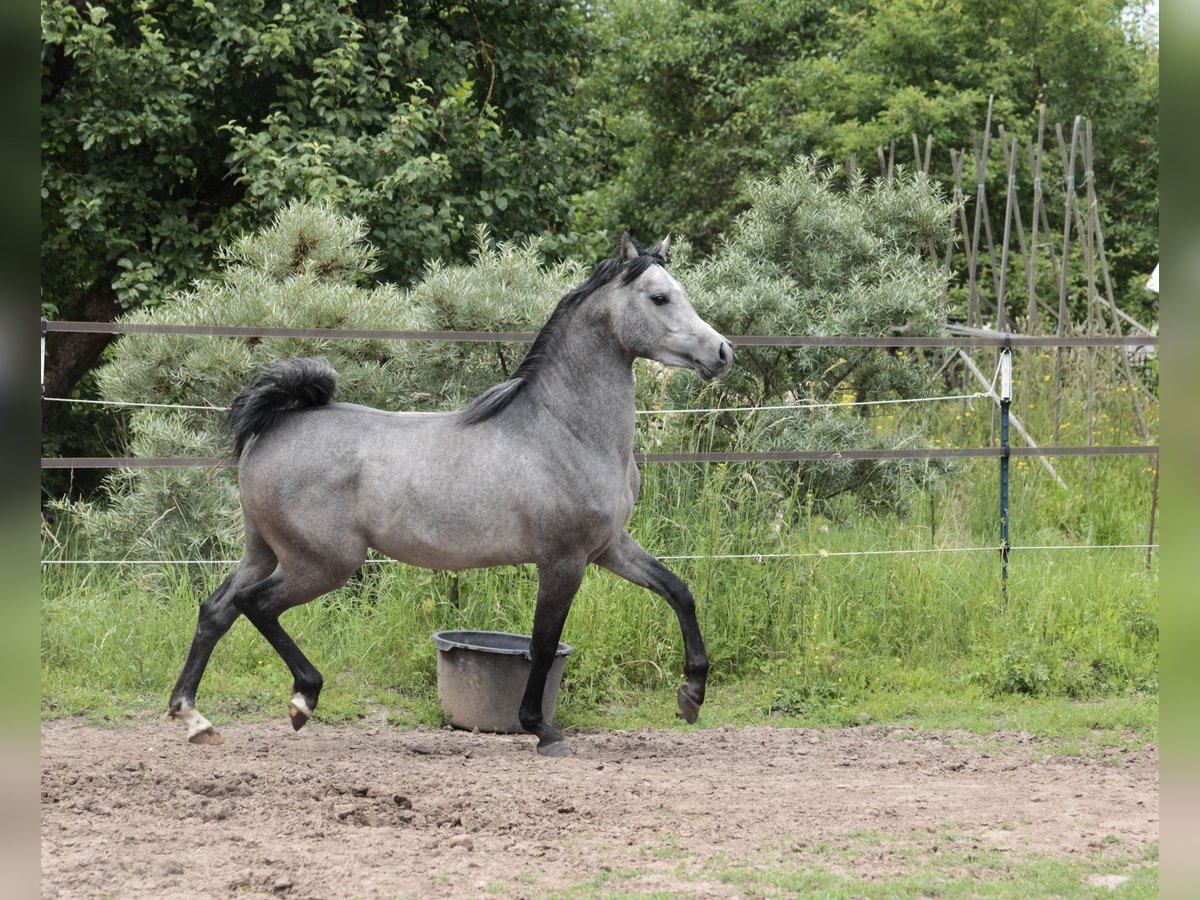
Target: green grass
x=826, y=641
x=920, y=865
x=1061, y=726
x=957, y=867
x=954, y=874
x=1070, y=646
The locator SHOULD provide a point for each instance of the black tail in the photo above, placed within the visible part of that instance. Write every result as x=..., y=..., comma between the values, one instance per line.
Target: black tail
x=291, y=384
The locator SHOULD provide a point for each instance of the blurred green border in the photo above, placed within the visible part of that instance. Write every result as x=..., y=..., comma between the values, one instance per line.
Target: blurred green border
x=1179, y=228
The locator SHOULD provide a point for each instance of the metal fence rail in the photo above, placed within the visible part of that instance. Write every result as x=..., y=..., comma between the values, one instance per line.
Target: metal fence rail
x=972, y=339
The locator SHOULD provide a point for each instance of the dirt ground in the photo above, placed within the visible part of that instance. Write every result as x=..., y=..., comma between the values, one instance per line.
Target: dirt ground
x=376, y=811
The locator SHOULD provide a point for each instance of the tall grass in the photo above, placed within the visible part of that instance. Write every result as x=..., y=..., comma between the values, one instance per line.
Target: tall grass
x=814, y=633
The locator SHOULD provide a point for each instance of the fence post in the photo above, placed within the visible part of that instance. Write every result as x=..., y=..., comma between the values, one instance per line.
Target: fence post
x=42, y=377
x=1153, y=513
x=1005, y=402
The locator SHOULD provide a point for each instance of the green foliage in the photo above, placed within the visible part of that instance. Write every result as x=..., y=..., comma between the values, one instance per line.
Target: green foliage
x=767, y=81
x=819, y=640
x=823, y=633
x=810, y=257
x=167, y=127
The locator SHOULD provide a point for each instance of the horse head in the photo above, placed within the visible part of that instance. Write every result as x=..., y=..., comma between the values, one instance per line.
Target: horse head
x=654, y=318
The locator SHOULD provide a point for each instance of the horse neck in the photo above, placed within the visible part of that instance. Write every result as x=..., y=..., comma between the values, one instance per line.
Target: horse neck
x=586, y=382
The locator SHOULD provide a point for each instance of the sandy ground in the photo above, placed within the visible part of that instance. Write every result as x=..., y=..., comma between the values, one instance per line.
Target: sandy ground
x=376, y=811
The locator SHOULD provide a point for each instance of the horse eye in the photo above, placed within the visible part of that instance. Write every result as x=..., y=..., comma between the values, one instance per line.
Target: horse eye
x=659, y=299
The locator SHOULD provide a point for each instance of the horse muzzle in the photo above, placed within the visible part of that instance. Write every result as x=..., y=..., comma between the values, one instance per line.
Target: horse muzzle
x=715, y=368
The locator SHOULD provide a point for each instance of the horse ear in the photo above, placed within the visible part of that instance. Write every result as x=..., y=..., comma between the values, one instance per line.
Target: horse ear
x=629, y=249
x=662, y=248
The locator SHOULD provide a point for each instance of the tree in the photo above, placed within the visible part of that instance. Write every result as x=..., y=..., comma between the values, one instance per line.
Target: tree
x=169, y=127
x=816, y=255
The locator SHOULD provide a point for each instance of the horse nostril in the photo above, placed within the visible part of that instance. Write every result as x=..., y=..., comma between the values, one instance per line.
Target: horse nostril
x=724, y=351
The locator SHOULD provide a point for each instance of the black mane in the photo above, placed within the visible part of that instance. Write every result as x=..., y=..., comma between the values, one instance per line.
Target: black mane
x=496, y=399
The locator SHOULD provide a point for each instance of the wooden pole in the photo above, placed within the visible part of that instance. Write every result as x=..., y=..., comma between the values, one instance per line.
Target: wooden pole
x=1009, y=201
x=981, y=150
x=1063, y=312
x=980, y=205
x=1033, y=319
x=1044, y=218
x=1037, y=215
x=1089, y=225
x=1028, y=254
x=1094, y=215
x=1095, y=319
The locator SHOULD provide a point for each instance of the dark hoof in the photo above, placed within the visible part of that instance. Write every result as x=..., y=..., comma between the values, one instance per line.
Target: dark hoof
x=207, y=736
x=689, y=708
x=557, y=748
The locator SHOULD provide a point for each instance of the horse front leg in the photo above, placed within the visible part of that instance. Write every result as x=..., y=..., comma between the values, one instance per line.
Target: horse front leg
x=625, y=557
x=558, y=583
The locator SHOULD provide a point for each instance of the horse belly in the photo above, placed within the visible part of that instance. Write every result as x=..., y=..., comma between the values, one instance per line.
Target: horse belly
x=448, y=543
x=443, y=518
x=475, y=525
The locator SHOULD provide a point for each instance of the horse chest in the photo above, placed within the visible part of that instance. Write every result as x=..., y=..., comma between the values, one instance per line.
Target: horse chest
x=600, y=498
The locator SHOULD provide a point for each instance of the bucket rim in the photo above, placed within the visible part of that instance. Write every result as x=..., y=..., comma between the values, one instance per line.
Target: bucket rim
x=460, y=639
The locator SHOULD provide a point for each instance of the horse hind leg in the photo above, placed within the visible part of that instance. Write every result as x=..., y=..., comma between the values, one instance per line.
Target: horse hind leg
x=216, y=616
x=262, y=603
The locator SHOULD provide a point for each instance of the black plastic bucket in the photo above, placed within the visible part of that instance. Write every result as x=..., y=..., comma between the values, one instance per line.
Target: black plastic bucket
x=482, y=675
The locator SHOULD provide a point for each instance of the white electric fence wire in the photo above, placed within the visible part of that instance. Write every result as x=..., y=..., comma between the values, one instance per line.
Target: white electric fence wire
x=755, y=556
x=129, y=403
x=995, y=375
x=747, y=409
x=641, y=412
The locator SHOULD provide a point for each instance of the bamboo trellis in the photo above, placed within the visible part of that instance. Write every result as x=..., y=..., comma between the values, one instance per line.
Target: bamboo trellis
x=1075, y=252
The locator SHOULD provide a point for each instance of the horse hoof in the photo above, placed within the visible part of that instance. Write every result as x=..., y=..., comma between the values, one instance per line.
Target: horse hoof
x=208, y=736
x=556, y=749
x=298, y=717
x=688, y=707
x=298, y=712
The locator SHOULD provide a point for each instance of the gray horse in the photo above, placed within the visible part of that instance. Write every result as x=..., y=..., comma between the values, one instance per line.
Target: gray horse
x=538, y=469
